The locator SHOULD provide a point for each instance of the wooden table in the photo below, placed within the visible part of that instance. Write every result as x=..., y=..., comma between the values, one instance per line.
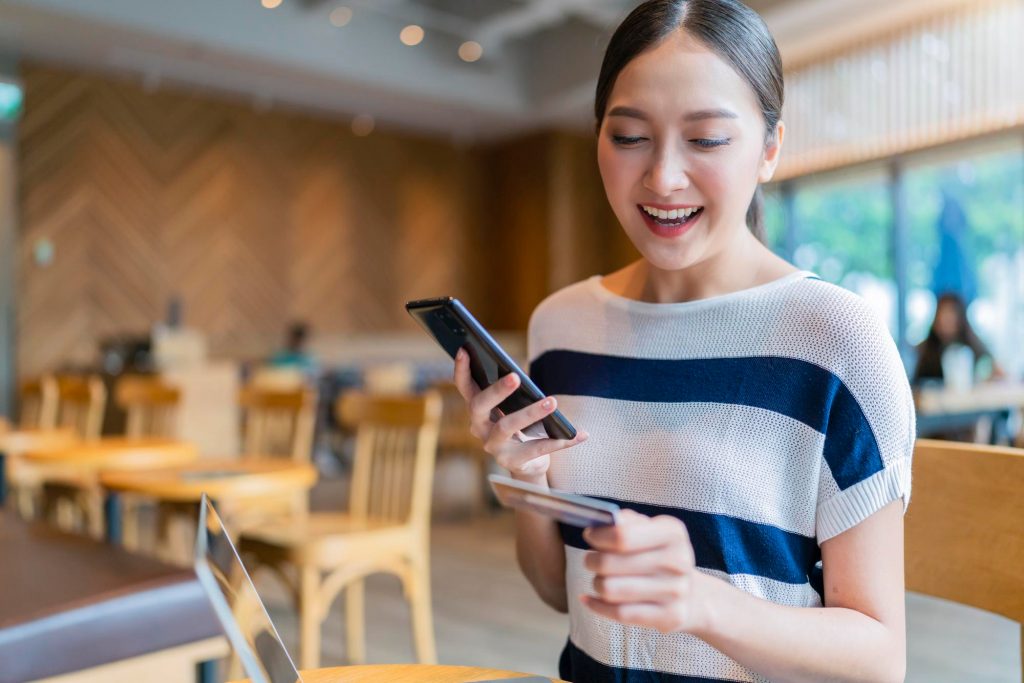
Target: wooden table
x=13, y=444
x=234, y=483
x=412, y=673
x=113, y=453
x=77, y=468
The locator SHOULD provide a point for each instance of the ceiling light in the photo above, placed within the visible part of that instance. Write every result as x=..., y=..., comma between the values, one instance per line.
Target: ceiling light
x=340, y=16
x=270, y=4
x=362, y=125
x=470, y=51
x=412, y=35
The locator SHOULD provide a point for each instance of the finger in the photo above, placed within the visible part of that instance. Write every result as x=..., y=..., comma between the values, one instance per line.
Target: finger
x=676, y=559
x=481, y=405
x=619, y=590
x=515, y=457
x=463, y=380
x=638, y=613
x=515, y=422
x=636, y=533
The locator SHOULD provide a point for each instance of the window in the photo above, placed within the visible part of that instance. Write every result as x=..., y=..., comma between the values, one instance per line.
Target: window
x=843, y=233
x=965, y=216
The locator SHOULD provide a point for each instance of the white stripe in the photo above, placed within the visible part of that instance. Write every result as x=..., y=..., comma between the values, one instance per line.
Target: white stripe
x=735, y=460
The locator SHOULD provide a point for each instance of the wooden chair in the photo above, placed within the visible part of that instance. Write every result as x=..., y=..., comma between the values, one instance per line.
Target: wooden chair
x=457, y=441
x=37, y=403
x=151, y=405
x=69, y=502
x=385, y=530
x=965, y=526
x=37, y=409
x=278, y=422
x=80, y=404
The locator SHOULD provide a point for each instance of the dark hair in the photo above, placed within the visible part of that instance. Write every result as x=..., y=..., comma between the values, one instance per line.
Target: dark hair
x=728, y=28
x=297, y=333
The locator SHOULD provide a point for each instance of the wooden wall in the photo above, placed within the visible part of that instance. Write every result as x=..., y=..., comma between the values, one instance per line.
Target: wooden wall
x=254, y=219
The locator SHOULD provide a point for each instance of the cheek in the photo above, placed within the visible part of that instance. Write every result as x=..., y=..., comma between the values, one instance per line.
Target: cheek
x=616, y=172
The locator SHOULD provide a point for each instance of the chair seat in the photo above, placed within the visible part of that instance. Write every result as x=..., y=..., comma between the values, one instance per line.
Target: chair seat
x=325, y=539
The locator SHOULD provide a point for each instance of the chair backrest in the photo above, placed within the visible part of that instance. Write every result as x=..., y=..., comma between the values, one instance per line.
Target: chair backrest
x=37, y=403
x=278, y=422
x=396, y=445
x=80, y=404
x=151, y=405
x=455, y=435
x=965, y=526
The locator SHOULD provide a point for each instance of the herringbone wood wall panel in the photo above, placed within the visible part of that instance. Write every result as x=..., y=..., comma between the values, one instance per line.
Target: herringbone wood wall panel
x=251, y=218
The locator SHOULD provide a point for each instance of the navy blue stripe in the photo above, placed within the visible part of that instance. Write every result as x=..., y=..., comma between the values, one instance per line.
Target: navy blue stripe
x=577, y=666
x=731, y=545
x=796, y=388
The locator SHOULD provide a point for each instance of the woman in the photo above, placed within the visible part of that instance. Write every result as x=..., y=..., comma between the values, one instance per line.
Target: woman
x=756, y=421
x=950, y=326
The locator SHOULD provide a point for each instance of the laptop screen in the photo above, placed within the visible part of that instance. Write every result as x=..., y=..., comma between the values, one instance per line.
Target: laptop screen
x=223, y=577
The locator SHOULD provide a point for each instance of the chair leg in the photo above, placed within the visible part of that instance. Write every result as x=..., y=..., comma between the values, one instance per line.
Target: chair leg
x=355, y=622
x=309, y=617
x=418, y=591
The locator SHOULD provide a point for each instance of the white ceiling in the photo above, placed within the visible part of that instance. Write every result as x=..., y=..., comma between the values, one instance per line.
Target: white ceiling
x=540, y=62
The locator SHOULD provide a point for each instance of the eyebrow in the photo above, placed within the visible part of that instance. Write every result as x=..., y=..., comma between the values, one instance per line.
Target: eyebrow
x=700, y=115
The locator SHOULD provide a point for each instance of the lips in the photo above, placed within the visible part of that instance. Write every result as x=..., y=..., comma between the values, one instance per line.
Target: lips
x=669, y=227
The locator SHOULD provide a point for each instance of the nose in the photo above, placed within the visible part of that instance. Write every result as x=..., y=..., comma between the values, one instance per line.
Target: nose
x=667, y=173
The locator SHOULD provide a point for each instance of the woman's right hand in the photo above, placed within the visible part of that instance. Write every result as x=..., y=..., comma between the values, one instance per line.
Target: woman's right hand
x=527, y=460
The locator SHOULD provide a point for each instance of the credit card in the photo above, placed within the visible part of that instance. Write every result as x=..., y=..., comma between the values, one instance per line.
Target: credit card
x=569, y=508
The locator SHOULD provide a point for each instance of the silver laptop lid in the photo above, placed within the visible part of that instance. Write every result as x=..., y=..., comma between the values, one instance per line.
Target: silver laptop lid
x=226, y=582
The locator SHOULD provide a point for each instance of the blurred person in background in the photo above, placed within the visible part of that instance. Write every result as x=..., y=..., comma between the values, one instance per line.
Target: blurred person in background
x=951, y=327
x=294, y=355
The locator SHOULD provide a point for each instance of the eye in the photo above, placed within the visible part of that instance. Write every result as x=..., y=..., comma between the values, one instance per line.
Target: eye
x=627, y=140
x=709, y=143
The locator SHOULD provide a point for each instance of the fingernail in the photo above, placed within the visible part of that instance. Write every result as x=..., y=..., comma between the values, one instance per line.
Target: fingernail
x=460, y=354
x=510, y=380
x=546, y=405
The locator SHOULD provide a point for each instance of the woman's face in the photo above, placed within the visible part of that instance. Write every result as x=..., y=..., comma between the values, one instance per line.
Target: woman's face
x=683, y=137
x=947, y=321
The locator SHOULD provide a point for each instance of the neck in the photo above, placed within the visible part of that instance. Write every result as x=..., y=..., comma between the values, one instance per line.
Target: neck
x=741, y=264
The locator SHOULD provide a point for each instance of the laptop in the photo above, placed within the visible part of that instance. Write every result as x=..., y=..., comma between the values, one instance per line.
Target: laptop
x=226, y=582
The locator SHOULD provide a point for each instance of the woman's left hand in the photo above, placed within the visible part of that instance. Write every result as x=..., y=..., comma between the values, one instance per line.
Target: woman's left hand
x=644, y=573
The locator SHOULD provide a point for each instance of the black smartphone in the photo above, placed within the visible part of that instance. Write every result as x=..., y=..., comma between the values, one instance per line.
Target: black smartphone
x=454, y=328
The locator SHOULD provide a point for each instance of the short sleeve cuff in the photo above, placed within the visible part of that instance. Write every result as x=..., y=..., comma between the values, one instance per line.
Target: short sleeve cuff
x=849, y=508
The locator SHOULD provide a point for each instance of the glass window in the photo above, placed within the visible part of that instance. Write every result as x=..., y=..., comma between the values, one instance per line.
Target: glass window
x=843, y=228
x=966, y=236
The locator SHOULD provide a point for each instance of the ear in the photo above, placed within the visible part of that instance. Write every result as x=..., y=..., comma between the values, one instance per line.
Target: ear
x=772, y=151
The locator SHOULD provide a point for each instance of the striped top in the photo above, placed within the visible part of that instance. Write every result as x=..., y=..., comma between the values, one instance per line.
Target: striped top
x=768, y=420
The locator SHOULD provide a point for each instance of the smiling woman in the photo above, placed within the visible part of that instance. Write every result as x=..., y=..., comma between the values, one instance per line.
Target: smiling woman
x=754, y=422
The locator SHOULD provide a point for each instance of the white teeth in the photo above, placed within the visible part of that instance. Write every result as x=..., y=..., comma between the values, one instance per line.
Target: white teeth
x=670, y=215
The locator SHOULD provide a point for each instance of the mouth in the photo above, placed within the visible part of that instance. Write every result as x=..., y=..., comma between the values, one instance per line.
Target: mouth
x=669, y=222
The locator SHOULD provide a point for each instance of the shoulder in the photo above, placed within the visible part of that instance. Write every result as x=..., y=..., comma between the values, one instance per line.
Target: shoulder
x=573, y=306
x=571, y=301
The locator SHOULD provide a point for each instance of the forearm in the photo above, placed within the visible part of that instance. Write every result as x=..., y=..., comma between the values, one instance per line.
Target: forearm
x=798, y=644
x=541, y=555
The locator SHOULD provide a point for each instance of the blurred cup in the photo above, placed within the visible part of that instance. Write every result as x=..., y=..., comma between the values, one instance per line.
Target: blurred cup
x=958, y=367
